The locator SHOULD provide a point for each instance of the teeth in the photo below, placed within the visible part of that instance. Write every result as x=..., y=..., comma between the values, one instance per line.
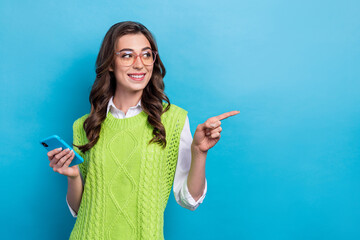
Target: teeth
x=137, y=76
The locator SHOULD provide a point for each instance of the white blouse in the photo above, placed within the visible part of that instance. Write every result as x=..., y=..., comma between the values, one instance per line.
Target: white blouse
x=181, y=192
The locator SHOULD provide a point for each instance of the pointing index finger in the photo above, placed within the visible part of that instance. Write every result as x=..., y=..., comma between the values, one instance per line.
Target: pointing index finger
x=226, y=115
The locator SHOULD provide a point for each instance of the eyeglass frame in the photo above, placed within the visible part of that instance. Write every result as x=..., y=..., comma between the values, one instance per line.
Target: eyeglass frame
x=138, y=55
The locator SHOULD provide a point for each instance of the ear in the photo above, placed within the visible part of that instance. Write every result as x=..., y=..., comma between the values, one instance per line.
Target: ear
x=111, y=68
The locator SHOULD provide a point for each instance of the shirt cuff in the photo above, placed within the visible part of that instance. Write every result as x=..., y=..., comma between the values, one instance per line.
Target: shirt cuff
x=188, y=200
x=73, y=213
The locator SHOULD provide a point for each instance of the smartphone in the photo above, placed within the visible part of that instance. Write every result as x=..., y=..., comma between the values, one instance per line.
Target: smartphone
x=55, y=141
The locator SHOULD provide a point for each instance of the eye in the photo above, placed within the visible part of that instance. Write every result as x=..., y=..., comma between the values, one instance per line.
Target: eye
x=127, y=55
x=147, y=54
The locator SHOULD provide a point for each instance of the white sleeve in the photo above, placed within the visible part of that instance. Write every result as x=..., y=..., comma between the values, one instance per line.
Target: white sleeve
x=73, y=213
x=181, y=192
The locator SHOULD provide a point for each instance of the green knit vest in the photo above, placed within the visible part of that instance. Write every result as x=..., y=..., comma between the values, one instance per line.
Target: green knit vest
x=127, y=180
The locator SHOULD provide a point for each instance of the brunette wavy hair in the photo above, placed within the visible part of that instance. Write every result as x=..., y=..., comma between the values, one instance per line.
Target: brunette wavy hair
x=105, y=84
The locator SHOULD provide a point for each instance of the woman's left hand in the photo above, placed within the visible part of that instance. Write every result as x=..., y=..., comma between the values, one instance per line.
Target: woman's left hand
x=208, y=133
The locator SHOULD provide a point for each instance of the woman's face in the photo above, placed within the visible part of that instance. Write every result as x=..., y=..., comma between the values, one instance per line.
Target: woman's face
x=135, y=77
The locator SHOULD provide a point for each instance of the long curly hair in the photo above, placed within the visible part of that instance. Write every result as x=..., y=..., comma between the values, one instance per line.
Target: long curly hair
x=105, y=84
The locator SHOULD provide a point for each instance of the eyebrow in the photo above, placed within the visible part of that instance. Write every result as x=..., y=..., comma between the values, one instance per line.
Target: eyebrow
x=129, y=49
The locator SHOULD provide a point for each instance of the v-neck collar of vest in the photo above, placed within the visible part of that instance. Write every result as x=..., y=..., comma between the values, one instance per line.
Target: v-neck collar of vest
x=125, y=122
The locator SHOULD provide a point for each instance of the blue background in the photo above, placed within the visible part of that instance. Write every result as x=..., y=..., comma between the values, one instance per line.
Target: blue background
x=286, y=167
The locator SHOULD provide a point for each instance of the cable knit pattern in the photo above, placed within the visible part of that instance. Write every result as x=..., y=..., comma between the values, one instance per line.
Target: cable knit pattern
x=127, y=180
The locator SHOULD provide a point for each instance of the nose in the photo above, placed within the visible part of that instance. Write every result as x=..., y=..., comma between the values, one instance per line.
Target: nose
x=138, y=64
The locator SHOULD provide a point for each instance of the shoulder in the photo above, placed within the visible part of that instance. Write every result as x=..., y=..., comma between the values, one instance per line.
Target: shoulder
x=174, y=116
x=78, y=123
x=174, y=109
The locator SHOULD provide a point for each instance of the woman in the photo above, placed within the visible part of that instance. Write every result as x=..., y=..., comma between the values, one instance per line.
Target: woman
x=133, y=145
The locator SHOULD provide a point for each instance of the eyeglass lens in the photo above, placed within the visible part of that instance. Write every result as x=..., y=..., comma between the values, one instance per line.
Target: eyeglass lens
x=127, y=58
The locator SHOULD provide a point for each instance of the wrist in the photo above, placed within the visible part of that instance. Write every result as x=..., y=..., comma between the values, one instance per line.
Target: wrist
x=73, y=178
x=196, y=150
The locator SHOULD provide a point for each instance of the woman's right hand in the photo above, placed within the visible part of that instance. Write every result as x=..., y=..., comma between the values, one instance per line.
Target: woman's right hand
x=60, y=161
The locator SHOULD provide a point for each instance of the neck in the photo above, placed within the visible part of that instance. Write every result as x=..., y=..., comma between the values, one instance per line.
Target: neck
x=123, y=100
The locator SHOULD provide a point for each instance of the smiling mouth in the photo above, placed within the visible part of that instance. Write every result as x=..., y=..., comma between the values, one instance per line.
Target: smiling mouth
x=137, y=76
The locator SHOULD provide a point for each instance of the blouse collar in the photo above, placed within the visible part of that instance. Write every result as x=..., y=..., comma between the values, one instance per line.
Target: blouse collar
x=111, y=106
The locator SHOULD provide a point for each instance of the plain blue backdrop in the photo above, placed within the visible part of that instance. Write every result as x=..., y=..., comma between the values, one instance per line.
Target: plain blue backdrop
x=286, y=167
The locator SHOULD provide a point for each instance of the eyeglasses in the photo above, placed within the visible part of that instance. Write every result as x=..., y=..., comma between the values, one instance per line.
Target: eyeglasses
x=128, y=58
